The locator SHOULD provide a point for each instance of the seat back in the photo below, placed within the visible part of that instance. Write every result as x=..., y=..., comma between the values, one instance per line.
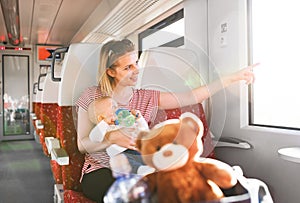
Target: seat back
x=49, y=108
x=34, y=91
x=174, y=70
x=49, y=105
x=78, y=72
x=37, y=104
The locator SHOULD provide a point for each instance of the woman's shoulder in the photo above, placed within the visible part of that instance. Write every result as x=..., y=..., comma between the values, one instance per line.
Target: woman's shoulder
x=88, y=95
x=145, y=95
x=145, y=91
x=91, y=91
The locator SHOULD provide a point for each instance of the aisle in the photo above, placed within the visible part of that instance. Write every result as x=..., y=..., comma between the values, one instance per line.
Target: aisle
x=25, y=174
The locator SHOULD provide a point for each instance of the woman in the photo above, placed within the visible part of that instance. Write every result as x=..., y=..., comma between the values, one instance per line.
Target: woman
x=118, y=74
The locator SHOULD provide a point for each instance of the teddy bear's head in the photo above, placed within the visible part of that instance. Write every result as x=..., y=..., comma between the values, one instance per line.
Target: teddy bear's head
x=173, y=143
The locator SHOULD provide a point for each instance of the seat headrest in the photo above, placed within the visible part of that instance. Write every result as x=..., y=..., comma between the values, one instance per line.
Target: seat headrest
x=50, y=88
x=169, y=69
x=79, y=71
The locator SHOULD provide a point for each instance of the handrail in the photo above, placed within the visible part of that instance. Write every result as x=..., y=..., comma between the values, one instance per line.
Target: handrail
x=57, y=51
x=232, y=142
x=34, y=87
x=39, y=80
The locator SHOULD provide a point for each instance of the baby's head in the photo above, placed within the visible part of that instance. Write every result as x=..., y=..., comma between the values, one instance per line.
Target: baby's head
x=103, y=108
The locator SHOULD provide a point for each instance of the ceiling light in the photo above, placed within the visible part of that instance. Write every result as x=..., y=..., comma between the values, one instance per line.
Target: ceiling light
x=10, y=10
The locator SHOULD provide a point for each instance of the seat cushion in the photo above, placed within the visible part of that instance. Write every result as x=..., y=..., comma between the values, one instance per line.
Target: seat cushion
x=71, y=196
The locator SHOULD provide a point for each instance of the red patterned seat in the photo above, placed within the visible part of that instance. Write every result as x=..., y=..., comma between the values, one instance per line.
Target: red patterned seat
x=49, y=120
x=37, y=111
x=78, y=72
x=48, y=116
x=68, y=140
x=34, y=113
x=72, y=196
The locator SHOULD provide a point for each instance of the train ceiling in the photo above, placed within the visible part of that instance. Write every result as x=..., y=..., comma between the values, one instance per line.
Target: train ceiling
x=61, y=22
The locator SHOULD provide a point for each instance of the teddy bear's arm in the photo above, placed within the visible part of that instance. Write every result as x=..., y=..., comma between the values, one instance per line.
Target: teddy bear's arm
x=218, y=172
x=150, y=179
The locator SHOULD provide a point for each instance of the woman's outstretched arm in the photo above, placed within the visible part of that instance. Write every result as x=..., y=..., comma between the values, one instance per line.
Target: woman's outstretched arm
x=170, y=100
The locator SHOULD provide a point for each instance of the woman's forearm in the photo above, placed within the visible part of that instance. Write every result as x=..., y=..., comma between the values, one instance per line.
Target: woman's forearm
x=198, y=95
x=84, y=143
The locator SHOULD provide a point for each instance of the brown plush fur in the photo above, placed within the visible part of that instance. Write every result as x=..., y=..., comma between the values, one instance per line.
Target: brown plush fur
x=194, y=181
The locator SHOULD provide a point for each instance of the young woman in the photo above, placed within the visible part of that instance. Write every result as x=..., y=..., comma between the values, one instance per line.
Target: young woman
x=118, y=74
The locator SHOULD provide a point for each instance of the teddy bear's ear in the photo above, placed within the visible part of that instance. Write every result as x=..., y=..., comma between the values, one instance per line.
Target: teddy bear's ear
x=194, y=122
x=138, y=142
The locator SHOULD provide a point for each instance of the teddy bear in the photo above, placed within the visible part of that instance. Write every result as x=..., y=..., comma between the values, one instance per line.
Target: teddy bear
x=173, y=148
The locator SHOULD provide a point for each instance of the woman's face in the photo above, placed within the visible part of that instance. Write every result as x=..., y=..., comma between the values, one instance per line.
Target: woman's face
x=125, y=70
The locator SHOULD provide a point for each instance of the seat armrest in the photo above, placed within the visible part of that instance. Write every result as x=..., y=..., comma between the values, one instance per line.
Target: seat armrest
x=60, y=156
x=33, y=116
x=39, y=125
x=58, y=193
x=51, y=143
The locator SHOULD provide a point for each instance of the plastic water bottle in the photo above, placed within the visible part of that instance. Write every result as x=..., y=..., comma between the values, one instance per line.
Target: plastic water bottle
x=127, y=187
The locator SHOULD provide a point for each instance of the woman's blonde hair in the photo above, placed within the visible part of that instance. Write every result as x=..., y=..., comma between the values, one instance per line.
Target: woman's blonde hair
x=109, y=54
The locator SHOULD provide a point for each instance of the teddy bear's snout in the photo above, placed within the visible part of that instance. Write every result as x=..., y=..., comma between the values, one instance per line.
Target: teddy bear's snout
x=170, y=156
x=167, y=153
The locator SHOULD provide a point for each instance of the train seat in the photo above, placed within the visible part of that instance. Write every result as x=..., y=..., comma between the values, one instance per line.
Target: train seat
x=48, y=135
x=49, y=104
x=33, y=116
x=78, y=72
x=37, y=124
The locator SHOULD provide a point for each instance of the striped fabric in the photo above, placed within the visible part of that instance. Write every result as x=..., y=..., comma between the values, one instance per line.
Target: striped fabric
x=144, y=100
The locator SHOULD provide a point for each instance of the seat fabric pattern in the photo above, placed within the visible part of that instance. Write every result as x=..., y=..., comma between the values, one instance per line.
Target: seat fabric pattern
x=37, y=111
x=71, y=173
x=49, y=120
x=71, y=196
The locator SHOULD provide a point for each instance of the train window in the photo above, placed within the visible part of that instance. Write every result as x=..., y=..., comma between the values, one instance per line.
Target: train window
x=167, y=33
x=274, y=43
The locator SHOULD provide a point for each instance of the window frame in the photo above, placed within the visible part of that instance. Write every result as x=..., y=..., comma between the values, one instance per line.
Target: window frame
x=251, y=88
x=178, y=15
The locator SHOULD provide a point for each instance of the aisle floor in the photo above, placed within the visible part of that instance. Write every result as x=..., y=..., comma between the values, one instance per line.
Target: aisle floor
x=25, y=173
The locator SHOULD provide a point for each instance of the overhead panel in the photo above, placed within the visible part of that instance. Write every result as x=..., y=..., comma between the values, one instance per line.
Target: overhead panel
x=44, y=15
x=128, y=16
x=26, y=10
x=69, y=20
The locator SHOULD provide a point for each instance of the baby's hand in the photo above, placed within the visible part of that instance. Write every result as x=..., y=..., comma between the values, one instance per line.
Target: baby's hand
x=136, y=113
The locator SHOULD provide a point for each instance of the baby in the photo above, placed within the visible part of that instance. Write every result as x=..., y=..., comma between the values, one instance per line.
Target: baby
x=102, y=112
